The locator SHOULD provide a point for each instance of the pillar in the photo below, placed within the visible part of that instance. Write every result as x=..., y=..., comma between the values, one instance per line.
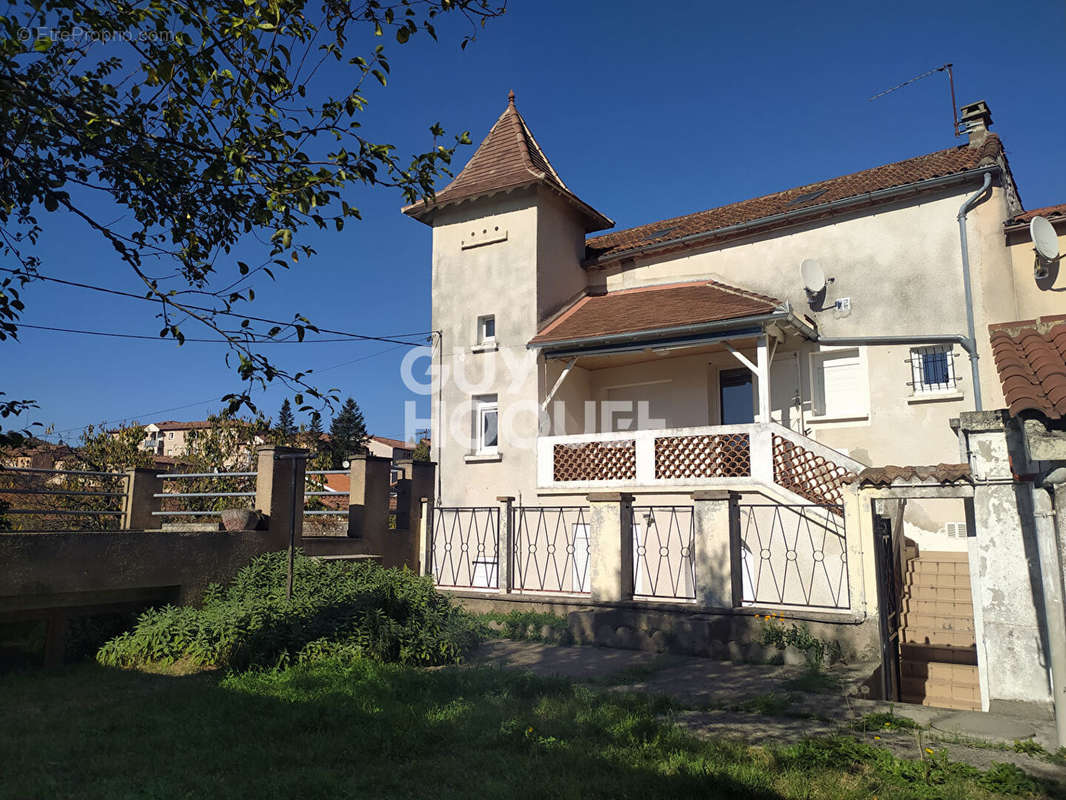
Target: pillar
x=142, y=486
x=279, y=491
x=611, y=544
x=717, y=559
x=506, y=547
x=368, y=501
x=1004, y=568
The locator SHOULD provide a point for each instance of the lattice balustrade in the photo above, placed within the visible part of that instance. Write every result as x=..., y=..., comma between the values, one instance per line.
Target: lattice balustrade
x=726, y=455
x=595, y=461
x=808, y=474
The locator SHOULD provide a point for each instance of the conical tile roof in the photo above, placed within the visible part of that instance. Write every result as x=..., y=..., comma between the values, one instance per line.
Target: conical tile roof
x=508, y=158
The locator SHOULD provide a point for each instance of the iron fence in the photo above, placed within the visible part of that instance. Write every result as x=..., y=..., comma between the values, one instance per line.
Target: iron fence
x=465, y=547
x=35, y=500
x=231, y=490
x=664, y=540
x=794, y=555
x=551, y=549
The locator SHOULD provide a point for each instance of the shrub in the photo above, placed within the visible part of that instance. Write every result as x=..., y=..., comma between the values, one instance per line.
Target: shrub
x=337, y=608
x=815, y=651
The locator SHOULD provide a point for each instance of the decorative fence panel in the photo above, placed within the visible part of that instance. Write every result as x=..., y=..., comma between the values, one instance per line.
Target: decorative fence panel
x=726, y=455
x=794, y=555
x=551, y=549
x=466, y=547
x=595, y=461
x=664, y=552
x=808, y=474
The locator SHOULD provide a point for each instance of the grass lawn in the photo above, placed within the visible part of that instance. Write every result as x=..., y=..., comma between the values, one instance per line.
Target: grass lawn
x=348, y=730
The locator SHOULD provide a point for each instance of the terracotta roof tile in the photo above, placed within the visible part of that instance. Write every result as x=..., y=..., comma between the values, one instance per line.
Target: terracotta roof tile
x=1030, y=357
x=886, y=476
x=508, y=158
x=934, y=165
x=396, y=443
x=1052, y=213
x=651, y=308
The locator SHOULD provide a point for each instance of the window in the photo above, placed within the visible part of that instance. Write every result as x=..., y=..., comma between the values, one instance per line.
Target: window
x=486, y=414
x=838, y=379
x=486, y=329
x=933, y=369
x=170, y=435
x=736, y=396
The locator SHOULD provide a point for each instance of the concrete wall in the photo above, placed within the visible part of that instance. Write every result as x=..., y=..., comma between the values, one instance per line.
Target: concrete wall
x=81, y=568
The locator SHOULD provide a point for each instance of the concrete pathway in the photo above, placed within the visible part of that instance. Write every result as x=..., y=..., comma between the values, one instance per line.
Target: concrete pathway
x=762, y=703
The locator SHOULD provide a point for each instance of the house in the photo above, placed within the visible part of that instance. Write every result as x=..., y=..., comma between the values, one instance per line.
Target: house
x=704, y=411
x=172, y=438
x=564, y=351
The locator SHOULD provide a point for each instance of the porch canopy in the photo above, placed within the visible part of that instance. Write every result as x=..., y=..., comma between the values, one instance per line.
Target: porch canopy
x=675, y=318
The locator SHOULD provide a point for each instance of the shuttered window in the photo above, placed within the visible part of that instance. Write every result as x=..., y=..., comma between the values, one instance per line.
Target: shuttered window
x=838, y=380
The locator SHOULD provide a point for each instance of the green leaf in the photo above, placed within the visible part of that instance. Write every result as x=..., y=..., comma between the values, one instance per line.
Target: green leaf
x=402, y=35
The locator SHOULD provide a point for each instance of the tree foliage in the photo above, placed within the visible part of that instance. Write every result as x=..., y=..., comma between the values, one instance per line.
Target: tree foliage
x=286, y=426
x=177, y=130
x=347, y=432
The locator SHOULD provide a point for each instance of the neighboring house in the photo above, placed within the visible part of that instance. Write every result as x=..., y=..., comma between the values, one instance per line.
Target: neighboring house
x=38, y=456
x=171, y=438
x=393, y=449
x=698, y=327
x=1051, y=297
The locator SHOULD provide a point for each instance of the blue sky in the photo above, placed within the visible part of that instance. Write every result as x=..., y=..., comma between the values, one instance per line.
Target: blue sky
x=646, y=110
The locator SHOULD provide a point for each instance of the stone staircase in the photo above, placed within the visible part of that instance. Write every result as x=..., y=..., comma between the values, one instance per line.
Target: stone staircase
x=938, y=652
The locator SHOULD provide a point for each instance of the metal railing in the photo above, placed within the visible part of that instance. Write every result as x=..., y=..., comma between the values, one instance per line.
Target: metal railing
x=92, y=499
x=466, y=547
x=794, y=555
x=664, y=544
x=326, y=518
x=203, y=503
x=551, y=549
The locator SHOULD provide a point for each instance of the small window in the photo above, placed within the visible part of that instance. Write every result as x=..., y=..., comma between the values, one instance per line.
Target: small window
x=933, y=369
x=170, y=435
x=486, y=415
x=486, y=329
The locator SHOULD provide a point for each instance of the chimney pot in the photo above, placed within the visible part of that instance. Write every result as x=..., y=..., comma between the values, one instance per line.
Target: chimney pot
x=975, y=120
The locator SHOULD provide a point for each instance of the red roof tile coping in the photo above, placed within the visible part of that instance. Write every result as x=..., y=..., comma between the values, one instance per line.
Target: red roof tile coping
x=605, y=248
x=509, y=158
x=394, y=442
x=1030, y=357
x=649, y=308
x=1053, y=214
x=887, y=475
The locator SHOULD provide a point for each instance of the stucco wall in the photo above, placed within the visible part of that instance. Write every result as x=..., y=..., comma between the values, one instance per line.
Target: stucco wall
x=1036, y=298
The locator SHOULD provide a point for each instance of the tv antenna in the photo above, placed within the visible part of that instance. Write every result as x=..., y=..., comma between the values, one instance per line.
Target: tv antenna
x=951, y=82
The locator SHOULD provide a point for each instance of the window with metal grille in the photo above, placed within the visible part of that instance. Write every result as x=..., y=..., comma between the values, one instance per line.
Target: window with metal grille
x=933, y=368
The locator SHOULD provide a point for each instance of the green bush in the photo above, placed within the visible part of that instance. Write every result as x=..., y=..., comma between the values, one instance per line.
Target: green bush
x=338, y=608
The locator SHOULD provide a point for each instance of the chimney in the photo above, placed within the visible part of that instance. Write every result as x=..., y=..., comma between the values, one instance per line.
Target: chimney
x=975, y=120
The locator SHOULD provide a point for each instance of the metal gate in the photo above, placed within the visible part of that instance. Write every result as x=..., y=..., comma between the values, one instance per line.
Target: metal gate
x=889, y=596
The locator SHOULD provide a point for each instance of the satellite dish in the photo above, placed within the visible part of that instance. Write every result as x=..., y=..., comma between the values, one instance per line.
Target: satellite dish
x=813, y=276
x=1045, y=240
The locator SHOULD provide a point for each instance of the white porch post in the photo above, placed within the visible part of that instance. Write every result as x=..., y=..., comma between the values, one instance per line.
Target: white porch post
x=763, y=375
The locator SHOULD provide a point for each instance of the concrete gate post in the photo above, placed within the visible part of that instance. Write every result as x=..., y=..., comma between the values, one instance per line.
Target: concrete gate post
x=611, y=546
x=1004, y=570
x=368, y=501
x=279, y=491
x=142, y=486
x=718, y=563
x=506, y=546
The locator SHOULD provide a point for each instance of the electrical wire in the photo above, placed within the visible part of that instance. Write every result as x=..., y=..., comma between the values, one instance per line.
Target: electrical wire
x=146, y=337
x=120, y=293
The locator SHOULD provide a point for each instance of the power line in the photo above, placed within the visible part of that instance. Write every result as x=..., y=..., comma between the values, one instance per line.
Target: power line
x=120, y=293
x=148, y=414
x=147, y=337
